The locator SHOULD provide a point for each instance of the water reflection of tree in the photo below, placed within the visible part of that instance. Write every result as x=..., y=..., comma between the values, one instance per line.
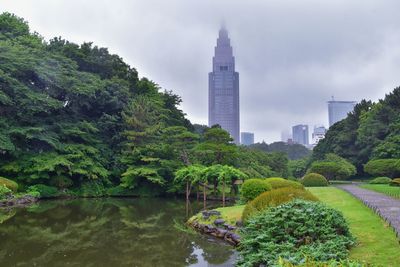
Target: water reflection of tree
x=107, y=232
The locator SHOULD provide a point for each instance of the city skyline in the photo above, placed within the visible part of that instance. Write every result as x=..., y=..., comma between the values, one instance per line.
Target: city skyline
x=287, y=75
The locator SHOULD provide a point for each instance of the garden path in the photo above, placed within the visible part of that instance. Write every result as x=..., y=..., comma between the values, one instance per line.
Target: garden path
x=386, y=207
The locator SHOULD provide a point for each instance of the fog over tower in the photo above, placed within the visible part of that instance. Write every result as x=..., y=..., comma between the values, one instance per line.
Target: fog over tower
x=223, y=88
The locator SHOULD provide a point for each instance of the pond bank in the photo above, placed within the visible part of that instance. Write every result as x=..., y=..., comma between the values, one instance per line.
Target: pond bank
x=223, y=223
x=18, y=201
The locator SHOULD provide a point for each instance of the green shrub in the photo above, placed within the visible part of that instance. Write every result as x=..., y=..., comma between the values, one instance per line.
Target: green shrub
x=275, y=198
x=4, y=192
x=314, y=179
x=381, y=180
x=61, y=182
x=92, y=189
x=43, y=191
x=13, y=186
x=294, y=231
x=313, y=263
x=395, y=182
x=383, y=167
x=251, y=188
x=277, y=182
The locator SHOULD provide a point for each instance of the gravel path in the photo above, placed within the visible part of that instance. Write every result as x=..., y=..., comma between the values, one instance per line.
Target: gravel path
x=386, y=207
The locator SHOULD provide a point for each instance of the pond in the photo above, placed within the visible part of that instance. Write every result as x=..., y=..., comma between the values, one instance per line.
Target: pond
x=107, y=232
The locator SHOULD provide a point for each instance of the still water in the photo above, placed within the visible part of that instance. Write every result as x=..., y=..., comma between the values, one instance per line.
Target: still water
x=107, y=232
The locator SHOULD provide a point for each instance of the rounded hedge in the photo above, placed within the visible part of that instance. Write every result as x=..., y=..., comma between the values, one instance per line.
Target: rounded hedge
x=251, y=188
x=13, y=186
x=277, y=182
x=380, y=180
x=293, y=232
x=275, y=198
x=395, y=182
x=314, y=179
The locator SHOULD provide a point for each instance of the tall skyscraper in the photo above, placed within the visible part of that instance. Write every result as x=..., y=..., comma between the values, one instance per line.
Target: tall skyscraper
x=246, y=138
x=318, y=134
x=300, y=134
x=223, y=88
x=338, y=110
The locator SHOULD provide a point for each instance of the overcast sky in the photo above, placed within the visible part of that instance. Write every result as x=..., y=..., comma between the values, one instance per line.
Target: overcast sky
x=292, y=56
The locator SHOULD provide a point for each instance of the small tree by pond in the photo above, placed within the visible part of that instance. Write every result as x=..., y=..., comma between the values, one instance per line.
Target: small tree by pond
x=189, y=175
x=226, y=175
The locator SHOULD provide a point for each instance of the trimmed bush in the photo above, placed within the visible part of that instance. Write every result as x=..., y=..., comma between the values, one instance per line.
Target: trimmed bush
x=275, y=198
x=13, y=186
x=314, y=179
x=381, y=180
x=277, y=182
x=293, y=232
x=251, y=188
x=383, y=167
x=4, y=192
x=44, y=191
x=395, y=182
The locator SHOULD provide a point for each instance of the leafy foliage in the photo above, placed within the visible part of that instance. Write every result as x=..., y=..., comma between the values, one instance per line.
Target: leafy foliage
x=252, y=188
x=383, y=167
x=395, y=182
x=293, y=231
x=4, y=191
x=43, y=191
x=277, y=182
x=275, y=198
x=13, y=186
x=333, y=167
x=293, y=151
x=314, y=179
x=380, y=180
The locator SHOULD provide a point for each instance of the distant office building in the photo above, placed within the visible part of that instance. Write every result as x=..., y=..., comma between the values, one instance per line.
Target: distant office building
x=247, y=138
x=338, y=110
x=223, y=88
x=318, y=134
x=300, y=134
x=286, y=137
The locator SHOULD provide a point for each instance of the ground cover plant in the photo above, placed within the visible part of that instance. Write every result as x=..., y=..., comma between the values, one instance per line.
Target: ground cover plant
x=377, y=244
x=392, y=191
x=251, y=188
x=275, y=198
x=314, y=179
x=293, y=231
x=395, y=182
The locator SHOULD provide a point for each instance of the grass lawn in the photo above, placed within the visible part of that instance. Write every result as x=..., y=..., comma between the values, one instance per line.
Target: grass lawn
x=393, y=191
x=377, y=243
x=231, y=214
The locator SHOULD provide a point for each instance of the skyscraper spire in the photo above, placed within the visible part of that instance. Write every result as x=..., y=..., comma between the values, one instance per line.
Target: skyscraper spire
x=223, y=93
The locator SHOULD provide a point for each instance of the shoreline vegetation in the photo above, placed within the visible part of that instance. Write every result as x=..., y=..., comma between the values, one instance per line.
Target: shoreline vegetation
x=376, y=246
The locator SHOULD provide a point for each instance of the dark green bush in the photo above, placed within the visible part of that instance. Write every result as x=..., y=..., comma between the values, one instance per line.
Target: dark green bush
x=277, y=182
x=313, y=263
x=275, y=198
x=61, y=182
x=333, y=167
x=294, y=231
x=383, y=167
x=4, y=192
x=314, y=179
x=43, y=191
x=93, y=188
x=395, y=182
x=13, y=186
x=381, y=180
x=251, y=188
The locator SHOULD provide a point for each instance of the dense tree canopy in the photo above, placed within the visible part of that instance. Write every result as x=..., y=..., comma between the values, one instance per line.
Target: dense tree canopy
x=73, y=116
x=293, y=151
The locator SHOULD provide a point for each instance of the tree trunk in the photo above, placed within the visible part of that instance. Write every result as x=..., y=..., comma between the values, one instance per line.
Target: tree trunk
x=223, y=194
x=204, y=195
x=187, y=190
x=198, y=192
